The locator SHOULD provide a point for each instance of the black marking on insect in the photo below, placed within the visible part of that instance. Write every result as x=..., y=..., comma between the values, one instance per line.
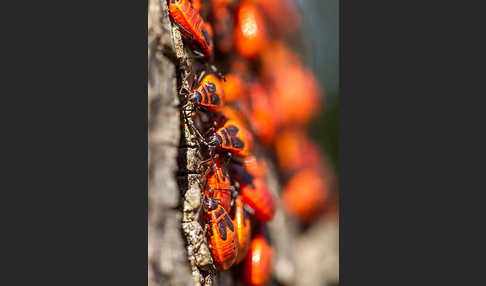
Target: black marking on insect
x=185, y=30
x=226, y=138
x=205, y=96
x=229, y=223
x=214, y=99
x=237, y=143
x=222, y=228
x=246, y=177
x=232, y=130
x=206, y=36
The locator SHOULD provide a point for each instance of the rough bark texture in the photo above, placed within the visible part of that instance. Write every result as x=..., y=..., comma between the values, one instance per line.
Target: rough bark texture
x=177, y=250
x=167, y=257
x=173, y=193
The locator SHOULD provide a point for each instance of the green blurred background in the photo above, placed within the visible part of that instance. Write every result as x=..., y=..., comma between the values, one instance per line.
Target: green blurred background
x=319, y=45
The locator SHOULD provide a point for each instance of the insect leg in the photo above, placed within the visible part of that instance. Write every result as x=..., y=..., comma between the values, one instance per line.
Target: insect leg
x=223, y=189
x=249, y=209
x=198, y=54
x=209, y=159
x=186, y=79
x=201, y=203
x=215, y=70
x=199, y=79
x=210, y=130
x=234, y=194
x=201, y=139
x=192, y=127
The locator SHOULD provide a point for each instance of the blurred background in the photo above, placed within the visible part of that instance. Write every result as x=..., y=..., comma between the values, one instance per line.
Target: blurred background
x=319, y=46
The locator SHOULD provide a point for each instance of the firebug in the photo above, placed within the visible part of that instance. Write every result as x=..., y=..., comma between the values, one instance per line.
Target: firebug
x=242, y=223
x=276, y=10
x=218, y=185
x=250, y=31
x=295, y=84
x=233, y=137
x=222, y=238
x=257, y=267
x=295, y=150
x=191, y=26
x=208, y=93
x=262, y=117
x=306, y=194
x=255, y=192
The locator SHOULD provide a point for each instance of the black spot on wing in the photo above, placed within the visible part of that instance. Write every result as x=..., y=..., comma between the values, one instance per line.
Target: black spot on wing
x=226, y=138
x=222, y=228
x=232, y=130
x=242, y=175
x=237, y=143
x=248, y=179
x=214, y=99
x=229, y=223
x=205, y=95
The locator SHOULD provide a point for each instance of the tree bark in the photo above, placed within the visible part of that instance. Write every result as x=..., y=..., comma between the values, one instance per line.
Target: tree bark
x=167, y=258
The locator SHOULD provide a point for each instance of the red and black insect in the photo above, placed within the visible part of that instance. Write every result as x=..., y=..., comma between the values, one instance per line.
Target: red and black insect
x=242, y=223
x=258, y=266
x=250, y=31
x=255, y=192
x=262, y=116
x=223, y=241
x=234, y=137
x=307, y=194
x=218, y=185
x=207, y=92
x=191, y=26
